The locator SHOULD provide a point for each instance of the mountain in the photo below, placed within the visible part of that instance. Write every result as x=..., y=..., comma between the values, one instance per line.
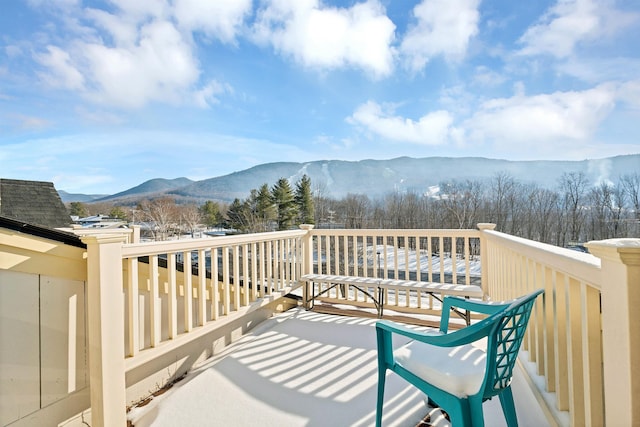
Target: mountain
x=148, y=188
x=375, y=178
x=378, y=177
x=84, y=198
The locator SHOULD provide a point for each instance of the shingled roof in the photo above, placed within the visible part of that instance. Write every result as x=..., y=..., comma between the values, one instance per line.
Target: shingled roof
x=33, y=202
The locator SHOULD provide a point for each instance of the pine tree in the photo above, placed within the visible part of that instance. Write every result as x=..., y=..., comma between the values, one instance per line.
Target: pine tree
x=237, y=215
x=265, y=208
x=210, y=212
x=304, y=201
x=77, y=209
x=282, y=197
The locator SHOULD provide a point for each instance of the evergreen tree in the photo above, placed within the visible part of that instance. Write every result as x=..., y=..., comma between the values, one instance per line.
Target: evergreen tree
x=304, y=201
x=237, y=215
x=265, y=208
x=117, y=212
x=77, y=209
x=210, y=212
x=282, y=197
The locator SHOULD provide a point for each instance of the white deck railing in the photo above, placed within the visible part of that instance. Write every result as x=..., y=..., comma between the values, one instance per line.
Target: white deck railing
x=593, y=375
x=437, y=256
x=564, y=335
x=184, y=284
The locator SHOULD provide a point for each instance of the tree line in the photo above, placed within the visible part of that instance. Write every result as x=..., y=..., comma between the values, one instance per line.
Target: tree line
x=266, y=209
x=277, y=208
x=575, y=211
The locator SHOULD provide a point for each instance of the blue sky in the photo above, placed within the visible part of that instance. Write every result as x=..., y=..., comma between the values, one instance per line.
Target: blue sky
x=99, y=96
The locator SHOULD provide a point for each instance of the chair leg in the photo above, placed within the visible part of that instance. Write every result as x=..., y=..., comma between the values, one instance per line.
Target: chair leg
x=431, y=402
x=477, y=415
x=382, y=376
x=508, y=407
x=459, y=413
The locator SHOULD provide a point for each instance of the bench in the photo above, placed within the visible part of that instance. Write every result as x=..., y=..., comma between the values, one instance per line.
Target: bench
x=375, y=288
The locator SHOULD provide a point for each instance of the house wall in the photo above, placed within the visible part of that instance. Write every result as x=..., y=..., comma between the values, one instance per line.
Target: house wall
x=43, y=355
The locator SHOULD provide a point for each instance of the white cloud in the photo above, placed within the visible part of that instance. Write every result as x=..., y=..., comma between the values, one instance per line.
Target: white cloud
x=542, y=120
x=485, y=76
x=208, y=95
x=123, y=29
x=629, y=93
x=160, y=67
x=570, y=22
x=221, y=19
x=596, y=70
x=443, y=27
x=142, y=10
x=62, y=71
x=135, y=54
x=327, y=37
x=433, y=128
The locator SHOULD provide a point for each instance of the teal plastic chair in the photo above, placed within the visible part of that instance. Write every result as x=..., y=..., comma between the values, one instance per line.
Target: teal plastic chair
x=454, y=374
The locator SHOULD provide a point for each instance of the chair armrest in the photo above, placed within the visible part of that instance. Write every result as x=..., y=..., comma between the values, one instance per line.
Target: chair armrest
x=450, y=302
x=483, y=307
x=460, y=337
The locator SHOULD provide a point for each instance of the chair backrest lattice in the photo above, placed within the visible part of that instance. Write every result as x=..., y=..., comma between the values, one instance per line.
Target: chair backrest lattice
x=505, y=343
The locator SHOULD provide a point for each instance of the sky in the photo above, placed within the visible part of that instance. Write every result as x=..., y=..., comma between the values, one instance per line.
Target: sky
x=99, y=96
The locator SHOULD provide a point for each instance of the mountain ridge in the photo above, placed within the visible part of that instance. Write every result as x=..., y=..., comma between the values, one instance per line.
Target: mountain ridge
x=375, y=178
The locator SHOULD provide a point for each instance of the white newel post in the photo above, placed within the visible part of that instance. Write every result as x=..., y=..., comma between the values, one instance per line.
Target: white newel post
x=106, y=330
x=484, y=256
x=620, y=280
x=136, y=234
x=307, y=259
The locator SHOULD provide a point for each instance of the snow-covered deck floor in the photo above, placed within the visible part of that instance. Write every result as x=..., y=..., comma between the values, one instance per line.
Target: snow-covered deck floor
x=304, y=368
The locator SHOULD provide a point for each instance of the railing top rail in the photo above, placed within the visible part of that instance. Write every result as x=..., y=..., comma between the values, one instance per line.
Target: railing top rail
x=582, y=266
x=410, y=232
x=155, y=248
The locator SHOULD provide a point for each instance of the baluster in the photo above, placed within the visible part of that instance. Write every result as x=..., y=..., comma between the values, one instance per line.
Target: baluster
x=154, y=312
x=254, y=271
x=188, y=291
x=172, y=300
x=245, y=274
x=226, y=286
x=133, y=314
x=202, y=287
x=215, y=285
x=454, y=260
x=267, y=286
x=235, y=253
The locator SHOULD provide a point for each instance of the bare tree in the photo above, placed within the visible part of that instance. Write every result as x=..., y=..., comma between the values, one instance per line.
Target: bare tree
x=618, y=208
x=462, y=201
x=544, y=207
x=191, y=216
x=355, y=209
x=321, y=202
x=600, y=200
x=161, y=214
x=573, y=186
x=631, y=185
x=501, y=193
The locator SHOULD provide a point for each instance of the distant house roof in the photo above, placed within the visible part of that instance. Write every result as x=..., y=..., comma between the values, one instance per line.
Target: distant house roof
x=33, y=202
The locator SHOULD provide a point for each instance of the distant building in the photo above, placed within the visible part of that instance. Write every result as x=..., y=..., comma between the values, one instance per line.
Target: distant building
x=99, y=221
x=33, y=202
